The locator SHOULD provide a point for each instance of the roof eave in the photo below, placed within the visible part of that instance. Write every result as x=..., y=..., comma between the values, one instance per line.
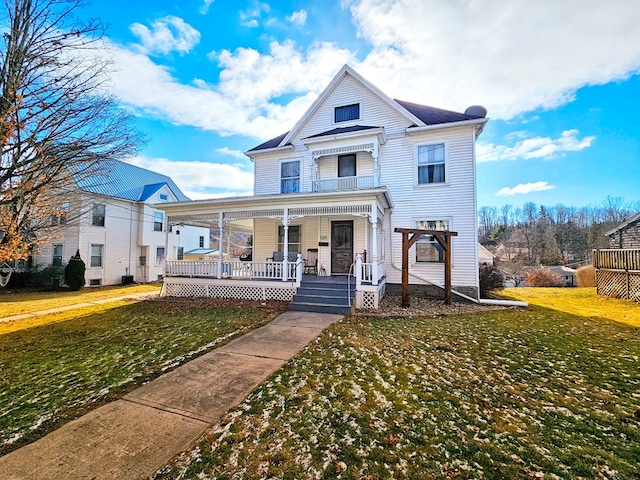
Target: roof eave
x=251, y=153
x=480, y=122
x=347, y=135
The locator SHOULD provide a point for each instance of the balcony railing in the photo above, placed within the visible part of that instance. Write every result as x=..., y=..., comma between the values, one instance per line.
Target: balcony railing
x=343, y=183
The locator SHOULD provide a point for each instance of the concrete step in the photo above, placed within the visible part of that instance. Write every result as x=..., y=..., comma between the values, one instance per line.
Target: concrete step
x=320, y=308
x=324, y=299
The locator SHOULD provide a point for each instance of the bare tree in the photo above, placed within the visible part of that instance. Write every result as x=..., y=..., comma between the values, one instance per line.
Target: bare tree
x=57, y=121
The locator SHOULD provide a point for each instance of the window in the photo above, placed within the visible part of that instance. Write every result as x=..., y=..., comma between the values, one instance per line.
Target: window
x=431, y=163
x=97, y=218
x=159, y=255
x=427, y=247
x=295, y=238
x=164, y=196
x=180, y=253
x=158, y=220
x=56, y=261
x=346, y=113
x=96, y=255
x=95, y=282
x=61, y=215
x=347, y=165
x=201, y=242
x=290, y=177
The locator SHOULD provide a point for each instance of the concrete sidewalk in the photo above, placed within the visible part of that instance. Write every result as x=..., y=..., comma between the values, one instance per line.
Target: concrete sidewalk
x=133, y=437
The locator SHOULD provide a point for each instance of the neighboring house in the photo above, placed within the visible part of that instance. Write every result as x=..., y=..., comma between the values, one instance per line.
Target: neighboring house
x=568, y=274
x=626, y=235
x=333, y=188
x=113, y=220
x=485, y=257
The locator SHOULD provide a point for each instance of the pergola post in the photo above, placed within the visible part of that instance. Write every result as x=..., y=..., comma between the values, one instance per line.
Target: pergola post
x=411, y=236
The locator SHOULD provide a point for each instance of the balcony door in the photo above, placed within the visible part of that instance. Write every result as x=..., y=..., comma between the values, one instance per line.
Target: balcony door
x=341, y=246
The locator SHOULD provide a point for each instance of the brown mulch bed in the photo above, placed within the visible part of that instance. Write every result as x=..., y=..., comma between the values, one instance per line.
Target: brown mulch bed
x=424, y=307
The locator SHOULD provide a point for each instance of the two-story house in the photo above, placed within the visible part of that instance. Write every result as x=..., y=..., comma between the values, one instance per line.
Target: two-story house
x=332, y=189
x=112, y=219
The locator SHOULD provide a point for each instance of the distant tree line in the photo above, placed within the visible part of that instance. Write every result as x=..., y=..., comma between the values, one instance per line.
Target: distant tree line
x=550, y=235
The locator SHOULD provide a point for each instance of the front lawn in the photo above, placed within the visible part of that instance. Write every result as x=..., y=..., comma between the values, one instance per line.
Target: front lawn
x=55, y=372
x=19, y=302
x=523, y=393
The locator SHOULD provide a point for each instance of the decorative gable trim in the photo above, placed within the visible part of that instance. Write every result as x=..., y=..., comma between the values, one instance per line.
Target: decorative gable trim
x=347, y=70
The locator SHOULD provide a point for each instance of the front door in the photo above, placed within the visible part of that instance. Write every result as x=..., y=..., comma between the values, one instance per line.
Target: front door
x=341, y=246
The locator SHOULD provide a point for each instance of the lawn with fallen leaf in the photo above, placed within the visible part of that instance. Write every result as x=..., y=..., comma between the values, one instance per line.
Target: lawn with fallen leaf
x=518, y=394
x=57, y=371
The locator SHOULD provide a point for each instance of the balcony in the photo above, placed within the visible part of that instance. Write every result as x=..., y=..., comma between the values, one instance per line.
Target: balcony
x=343, y=183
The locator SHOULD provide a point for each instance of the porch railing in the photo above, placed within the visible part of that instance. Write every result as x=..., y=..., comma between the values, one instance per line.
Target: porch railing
x=343, y=183
x=239, y=270
x=370, y=273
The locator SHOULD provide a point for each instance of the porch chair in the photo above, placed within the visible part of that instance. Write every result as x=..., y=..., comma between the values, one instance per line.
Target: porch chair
x=276, y=257
x=311, y=262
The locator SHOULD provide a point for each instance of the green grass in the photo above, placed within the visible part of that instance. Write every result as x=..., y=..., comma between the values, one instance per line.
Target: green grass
x=19, y=302
x=56, y=372
x=526, y=393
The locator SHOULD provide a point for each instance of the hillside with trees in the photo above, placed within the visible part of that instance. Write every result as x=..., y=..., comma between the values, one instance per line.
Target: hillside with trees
x=549, y=235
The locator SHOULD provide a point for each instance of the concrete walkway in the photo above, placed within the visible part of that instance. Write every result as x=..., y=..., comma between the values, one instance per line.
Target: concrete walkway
x=133, y=437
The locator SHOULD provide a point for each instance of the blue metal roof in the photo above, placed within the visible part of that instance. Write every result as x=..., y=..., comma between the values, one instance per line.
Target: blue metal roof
x=123, y=180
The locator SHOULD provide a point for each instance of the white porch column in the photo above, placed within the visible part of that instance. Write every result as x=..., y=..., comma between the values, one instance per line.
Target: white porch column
x=358, y=271
x=285, y=247
x=310, y=171
x=166, y=248
x=374, y=247
x=220, y=229
x=376, y=164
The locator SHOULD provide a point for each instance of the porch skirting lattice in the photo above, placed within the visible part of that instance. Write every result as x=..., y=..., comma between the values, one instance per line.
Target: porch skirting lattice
x=245, y=292
x=618, y=284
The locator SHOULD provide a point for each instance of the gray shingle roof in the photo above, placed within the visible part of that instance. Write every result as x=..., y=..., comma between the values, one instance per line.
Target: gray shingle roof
x=429, y=115
x=336, y=131
x=434, y=116
x=123, y=180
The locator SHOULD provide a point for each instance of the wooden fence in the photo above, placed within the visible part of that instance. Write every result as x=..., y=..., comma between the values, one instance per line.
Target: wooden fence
x=618, y=273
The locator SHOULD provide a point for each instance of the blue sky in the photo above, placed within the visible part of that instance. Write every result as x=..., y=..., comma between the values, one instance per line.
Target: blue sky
x=208, y=80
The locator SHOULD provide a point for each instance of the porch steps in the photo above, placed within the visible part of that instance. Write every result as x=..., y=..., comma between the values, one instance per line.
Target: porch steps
x=323, y=295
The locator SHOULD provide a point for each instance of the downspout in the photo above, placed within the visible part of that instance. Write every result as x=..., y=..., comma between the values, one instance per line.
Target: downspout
x=480, y=301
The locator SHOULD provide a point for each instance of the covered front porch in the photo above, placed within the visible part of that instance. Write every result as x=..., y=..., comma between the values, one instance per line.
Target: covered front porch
x=293, y=235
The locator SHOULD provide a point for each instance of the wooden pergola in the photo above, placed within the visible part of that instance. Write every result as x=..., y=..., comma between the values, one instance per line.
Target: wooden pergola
x=411, y=236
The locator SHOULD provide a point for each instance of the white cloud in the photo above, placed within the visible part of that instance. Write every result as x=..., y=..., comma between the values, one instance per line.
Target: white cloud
x=298, y=18
x=249, y=17
x=511, y=57
x=536, y=147
x=243, y=101
x=232, y=153
x=204, y=8
x=524, y=189
x=167, y=34
x=201, y=179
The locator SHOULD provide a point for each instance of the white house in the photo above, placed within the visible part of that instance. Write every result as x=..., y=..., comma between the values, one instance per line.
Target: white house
x=113, y=220
x=357, y=165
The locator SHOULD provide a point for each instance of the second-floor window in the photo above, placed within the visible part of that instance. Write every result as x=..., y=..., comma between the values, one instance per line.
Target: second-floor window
x=290, y=177
x=158, y=219
x=347, y=165
x=61, y=215
x=56, y=261
x=346, y=113
x=98, y=214
x=431, y=163
x=180, y=253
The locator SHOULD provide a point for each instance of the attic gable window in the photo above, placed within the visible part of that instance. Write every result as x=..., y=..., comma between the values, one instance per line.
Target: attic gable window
x=346, y=113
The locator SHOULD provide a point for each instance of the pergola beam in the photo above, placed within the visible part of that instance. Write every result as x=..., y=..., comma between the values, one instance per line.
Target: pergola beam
x=411, y=236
